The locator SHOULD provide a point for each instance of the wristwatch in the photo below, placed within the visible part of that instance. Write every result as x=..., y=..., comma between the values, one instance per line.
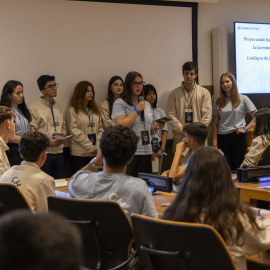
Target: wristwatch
x=94, y=165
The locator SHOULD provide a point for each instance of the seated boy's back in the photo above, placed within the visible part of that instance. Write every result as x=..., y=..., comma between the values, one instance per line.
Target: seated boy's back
x=117, y=147
x=28, y=177
x=35, y=184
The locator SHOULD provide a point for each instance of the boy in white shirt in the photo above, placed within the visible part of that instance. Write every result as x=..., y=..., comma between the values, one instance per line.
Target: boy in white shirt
x=35, y=184
x=7, y=131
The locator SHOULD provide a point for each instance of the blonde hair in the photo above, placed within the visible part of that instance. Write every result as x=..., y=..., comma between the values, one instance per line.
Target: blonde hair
x=235, y=97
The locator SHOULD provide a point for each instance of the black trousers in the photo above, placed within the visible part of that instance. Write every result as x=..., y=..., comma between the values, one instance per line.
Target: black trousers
x=234, y=148
x=79, y=162
x=140, y=163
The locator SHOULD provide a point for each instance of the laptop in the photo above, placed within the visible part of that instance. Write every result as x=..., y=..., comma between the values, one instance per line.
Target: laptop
x=157, y=182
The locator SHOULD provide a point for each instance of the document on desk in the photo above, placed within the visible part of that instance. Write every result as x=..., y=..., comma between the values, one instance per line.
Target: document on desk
x=62, y=194
x=60, y=183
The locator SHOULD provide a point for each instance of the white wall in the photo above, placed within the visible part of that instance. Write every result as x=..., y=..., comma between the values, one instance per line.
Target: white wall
x=92, y=41
x=223, y=14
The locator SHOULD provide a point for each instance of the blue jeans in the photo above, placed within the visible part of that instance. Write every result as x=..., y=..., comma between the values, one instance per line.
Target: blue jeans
x=54, y=165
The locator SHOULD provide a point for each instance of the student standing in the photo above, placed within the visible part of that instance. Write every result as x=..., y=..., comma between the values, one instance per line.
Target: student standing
x=130, y=111
x=13, y=97
x=188, y=103
x=229, y=125
x=159, y=139
x=48, y=118
x=115, y=89
x=84, y=124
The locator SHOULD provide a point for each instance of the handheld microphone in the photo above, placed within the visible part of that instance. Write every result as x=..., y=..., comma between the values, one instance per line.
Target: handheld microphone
x=141, y=98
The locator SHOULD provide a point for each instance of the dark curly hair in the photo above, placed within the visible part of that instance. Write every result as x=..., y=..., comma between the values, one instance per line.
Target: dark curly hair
x=32, y=144
x=118, y=145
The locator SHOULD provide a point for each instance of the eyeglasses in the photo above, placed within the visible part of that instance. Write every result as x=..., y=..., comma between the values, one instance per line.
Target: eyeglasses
x=51, y=86
x=138, y=83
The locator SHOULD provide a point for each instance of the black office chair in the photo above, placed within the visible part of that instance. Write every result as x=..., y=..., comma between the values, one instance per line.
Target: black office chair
x=11, y=199
x=106, y=231
x=179, y=246
x=264, y=158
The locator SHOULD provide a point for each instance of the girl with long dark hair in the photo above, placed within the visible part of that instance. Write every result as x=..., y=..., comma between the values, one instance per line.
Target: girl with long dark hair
x=132, y=111
x=115, y=89
x=13, y=97
x=261, y=138
x=208, y=196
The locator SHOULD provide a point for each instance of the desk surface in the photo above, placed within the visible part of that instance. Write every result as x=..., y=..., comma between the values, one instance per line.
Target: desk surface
x=259, y=261
x=251, y=193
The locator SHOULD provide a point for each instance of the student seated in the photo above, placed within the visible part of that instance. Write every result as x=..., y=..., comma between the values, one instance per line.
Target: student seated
x=195, y=135
x=40, y=242
x=7, y=131
x=208, y=195
x=261, y=138
x=35, y=184
x=117, y=147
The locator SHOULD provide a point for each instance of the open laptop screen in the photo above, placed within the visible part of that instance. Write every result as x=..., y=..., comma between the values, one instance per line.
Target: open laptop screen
x=161, y=183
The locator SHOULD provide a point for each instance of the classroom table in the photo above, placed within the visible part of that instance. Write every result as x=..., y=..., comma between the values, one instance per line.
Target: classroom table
x=251, y=193
x=259, y=261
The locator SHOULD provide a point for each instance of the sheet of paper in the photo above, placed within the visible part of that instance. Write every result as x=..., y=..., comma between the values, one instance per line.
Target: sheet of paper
x=62, y=194
x=60, y=183
x=59, y=137
x=155, y=164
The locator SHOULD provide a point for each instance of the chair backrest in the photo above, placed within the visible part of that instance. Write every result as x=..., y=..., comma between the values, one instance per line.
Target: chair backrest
x=11, y=199
x=264, y=158
x=176, y=245
x=106, y=230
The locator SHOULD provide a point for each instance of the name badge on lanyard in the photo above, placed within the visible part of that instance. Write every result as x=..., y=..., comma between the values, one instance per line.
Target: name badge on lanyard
x=188, y=117
x=54, y=123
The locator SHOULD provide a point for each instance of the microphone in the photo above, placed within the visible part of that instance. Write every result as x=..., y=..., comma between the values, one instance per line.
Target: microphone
x=141, y=98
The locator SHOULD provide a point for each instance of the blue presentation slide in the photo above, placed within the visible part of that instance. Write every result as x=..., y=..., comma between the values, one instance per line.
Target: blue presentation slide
x=252, y=56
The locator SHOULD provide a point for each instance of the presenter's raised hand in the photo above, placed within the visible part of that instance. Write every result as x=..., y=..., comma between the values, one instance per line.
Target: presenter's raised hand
x=141, y=106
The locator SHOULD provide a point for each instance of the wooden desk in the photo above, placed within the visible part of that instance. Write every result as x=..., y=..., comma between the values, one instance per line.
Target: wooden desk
x=259, y=261
x=251, y=193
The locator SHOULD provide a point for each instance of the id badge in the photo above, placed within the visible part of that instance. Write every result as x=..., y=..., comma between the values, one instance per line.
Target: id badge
x=92, y=126
x=155, y=144
x=55, y=134
x=188, y=117
x=92, y=138
x=145, y=137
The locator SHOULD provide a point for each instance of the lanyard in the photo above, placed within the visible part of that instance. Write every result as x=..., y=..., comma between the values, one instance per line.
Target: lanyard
x=186, y=98
x=51, y=106
x=89, y=115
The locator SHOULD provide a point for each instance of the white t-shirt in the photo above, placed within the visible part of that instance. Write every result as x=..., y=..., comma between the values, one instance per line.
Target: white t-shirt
x=120, y=108
x=233, y=119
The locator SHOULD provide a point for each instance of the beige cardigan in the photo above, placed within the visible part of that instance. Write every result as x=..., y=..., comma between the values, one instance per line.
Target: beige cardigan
x=78, y=127
x=201, y=108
